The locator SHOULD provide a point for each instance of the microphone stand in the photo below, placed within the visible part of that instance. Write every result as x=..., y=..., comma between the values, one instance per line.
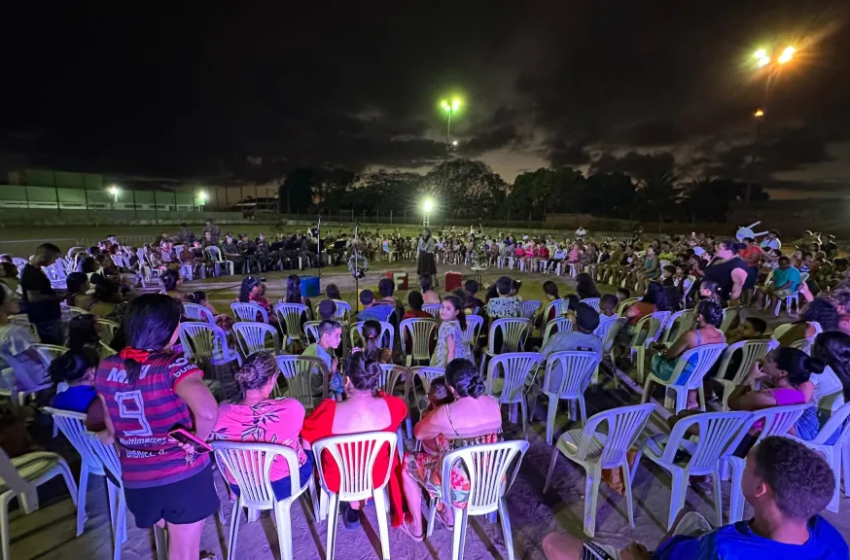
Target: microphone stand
x=319, y=251
x=356, y=270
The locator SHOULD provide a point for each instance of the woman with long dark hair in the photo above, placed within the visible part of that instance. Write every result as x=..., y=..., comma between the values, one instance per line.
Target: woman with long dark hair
x=586, y=287
x=427, y=263
x=146, y=390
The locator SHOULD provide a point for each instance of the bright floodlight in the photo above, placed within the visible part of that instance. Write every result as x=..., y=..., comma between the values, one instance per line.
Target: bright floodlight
x=761, y=53
x=202, y=196
x=454, y=143
x=758, y=114
x=113, y=190
x=427, y=205
x=445, y=105
x=786, y=55
x=455, y=104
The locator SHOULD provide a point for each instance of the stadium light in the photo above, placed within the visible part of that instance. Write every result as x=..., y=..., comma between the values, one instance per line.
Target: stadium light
x=786, y=55
x=202, y=197
x=427, y=208
x=451, y=108
x=114, y=190
x=758, y=114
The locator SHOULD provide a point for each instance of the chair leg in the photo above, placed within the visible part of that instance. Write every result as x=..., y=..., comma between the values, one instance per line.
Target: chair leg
x=524, y=406
x=333, y=510
x=582, y=406
x=630, y=504
x=284, y=528
x=550, y=419
x=432, y=516
x=845, y=462
x=551, y=469
x=4, y=525
x=645, y=397
x=381, y=513
x=736, y=496
x=82, y=488
x=591, y=495
x=459, y=534
x=506, y=528
x=234, y=529
x=160, y=536
x=677, y=495
x=718, y=496
x=314, y=499
x=833, y=457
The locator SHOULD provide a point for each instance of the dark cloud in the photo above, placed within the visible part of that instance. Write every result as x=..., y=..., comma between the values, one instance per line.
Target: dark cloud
x=641, y=166
x=195, y=89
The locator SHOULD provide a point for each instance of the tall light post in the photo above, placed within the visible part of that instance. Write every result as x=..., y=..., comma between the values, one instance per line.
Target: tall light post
x=427, y=208
x=114, y=191
x=451, y=108
x=202, y=199
x=771, y=64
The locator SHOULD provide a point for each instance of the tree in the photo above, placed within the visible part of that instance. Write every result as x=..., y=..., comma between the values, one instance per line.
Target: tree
x=706, y=200
x=296, y=192
x=464, y=188
x=611, y=195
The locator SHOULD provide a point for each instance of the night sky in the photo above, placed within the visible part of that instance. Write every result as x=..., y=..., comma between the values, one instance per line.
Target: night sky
x=195, y=90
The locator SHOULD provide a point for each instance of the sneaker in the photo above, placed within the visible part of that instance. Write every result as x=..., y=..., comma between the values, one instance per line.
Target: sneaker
x=350, y=518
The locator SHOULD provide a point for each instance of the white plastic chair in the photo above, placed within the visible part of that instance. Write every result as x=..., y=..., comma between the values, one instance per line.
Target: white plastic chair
x=355, y=456
x=683, y=318
x=385, y=340
x=21, y=478
x=425, y=374
x=216, y=256
x=487, y=467
x=833, y=451
x=433, y=309
x=473, y=329
x=804, y=344
x=300, y=372
x=751, y=352
x=592, y=302
x=608, y=329
x=560, y=307
x=626, y=303
x=343, y=311
x=567, y=377
x=514, y=332
x=289, y=316
x=247, y=312
x=198, y=313
x=76, y=311
x=390, y=376
x=527, y=309
x=421, y=332
x=250, y=464
x=518, y=370
x=106, y=330
x=206, y=342
x=252, y=337
x=556, y=325
x=791, y=298
x=594, y=451
x=717, y=430
x=705, y=355
x=729, y=316
x=107, y=455
x=311, y=331
x=777, y=421
x=654, y=323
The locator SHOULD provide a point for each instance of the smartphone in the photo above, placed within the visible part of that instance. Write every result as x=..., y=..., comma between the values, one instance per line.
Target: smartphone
x=184, y=436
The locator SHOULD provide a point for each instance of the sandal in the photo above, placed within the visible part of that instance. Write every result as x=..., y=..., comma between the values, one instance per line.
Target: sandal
x=406, y=530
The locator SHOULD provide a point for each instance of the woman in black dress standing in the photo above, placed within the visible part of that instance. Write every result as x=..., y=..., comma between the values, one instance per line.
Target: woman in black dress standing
x=728, y=270
x=427, y=261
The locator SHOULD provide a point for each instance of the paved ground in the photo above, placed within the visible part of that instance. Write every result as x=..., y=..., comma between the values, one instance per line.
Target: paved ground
x=49, y=533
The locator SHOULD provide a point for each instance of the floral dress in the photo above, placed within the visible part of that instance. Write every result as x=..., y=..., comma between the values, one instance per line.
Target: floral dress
x=449, y=329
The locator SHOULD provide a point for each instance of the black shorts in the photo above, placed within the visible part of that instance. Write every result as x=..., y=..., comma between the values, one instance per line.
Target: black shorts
x=180, y=503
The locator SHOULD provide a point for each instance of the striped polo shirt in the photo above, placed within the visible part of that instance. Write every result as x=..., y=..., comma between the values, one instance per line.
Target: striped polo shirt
x=143, y=412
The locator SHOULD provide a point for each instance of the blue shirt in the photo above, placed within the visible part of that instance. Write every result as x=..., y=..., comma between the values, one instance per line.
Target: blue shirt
x=732, y=542
x=781, y=277
x=379, y=312
x=75, y=399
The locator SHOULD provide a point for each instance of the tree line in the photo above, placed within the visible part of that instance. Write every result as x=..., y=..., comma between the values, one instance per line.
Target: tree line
x=465, y=188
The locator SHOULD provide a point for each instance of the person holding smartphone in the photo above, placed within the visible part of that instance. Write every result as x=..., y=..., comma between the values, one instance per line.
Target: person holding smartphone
x=145, y=391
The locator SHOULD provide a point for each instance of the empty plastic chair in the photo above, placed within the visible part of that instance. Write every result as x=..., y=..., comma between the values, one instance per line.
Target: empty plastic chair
x=527, y=309
x=421, y=332
x=592, y=302
x=307, y=378
x=473, y=329
x=291, y=316
x=517, y=370
x=253, y=337
x=595, y=450
x=433, y=309
x=249, y=312
x=198, y=313
x=566, y=377
x=206, y=343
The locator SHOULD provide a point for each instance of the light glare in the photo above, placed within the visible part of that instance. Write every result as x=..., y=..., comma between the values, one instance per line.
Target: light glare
x=787, y=55
x=427, y=205
x=758, y=114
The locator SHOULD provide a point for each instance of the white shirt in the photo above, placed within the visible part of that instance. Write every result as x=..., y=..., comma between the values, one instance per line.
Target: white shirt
x=771, y=244
x=829, y=394
x=581, y=232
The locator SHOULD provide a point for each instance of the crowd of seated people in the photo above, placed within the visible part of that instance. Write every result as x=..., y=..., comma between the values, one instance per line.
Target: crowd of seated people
x=459, y=411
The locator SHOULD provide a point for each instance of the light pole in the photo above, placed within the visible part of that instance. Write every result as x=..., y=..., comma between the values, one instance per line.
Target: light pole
x=427, y=208
x=451, y=108
x=202, y=199
x=772, y=65
x=114, y=191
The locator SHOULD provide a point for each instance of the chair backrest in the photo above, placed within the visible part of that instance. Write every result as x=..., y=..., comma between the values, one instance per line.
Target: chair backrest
x=751, y=352
x=560, y=307
x=426, y=374
x=556, y=325
x=624, y=426
x=527, y=309
x=355, y=456
x=250, y=464
x=214, y=253
x=804, y=344
x=779, y=331
x=252, y=336
x=10, y=475
x=706, y=355
x=654, y=322
x=670, y=323
x=514, y=331
x=626, y=303
x=592, y=302
x=203, y=341
x=76, y=311
x=311, y=330
x=299, y=372
x=106, y=330
x=343, y=311
x=608, y=330
x=390, y=374
x=576, y=368
x=198, y=313
x=421, y=332
x=433, y=309
x=717, y=431
x=776, y=420
x=248, y=312
x=386, y=338
x=838, y=421
x=289, y=316
x=516, y=367
x=73, y=427
x=487, y=467
x=473, y=329
x=729, y=316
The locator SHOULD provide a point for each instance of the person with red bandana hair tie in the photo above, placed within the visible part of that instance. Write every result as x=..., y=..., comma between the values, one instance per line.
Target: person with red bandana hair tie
x=145, y=391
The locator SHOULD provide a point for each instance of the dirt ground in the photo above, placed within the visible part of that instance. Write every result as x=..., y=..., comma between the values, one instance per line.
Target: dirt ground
x=49, y=533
